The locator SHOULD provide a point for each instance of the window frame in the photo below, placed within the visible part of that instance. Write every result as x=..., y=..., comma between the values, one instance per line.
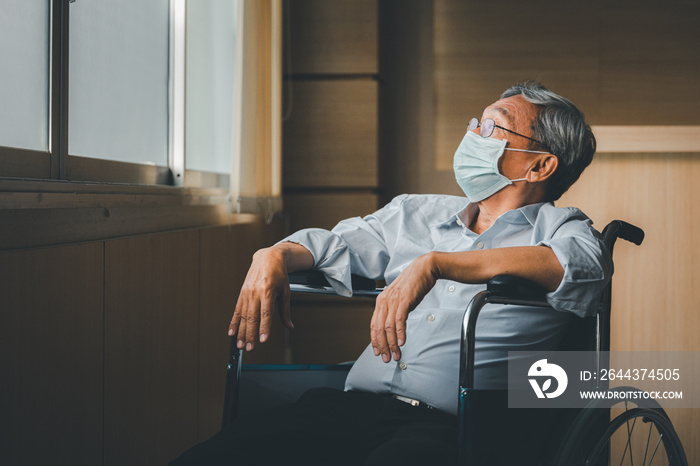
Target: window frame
x=58, y=164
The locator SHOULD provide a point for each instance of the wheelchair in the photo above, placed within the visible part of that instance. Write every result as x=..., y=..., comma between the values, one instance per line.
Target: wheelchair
x=531, y=436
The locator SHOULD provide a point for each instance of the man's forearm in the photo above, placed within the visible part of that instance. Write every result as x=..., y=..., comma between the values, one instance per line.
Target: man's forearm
x=296, y=257
x=536, y=263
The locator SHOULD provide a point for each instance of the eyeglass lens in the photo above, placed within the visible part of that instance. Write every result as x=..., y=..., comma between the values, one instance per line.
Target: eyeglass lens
x=487, y=126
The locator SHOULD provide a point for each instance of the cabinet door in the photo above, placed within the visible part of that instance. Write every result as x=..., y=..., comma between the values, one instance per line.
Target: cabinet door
x=51, y=323
x=151, y=329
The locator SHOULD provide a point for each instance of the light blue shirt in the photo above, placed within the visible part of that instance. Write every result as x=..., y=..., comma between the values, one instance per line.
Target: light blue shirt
x=381, y=245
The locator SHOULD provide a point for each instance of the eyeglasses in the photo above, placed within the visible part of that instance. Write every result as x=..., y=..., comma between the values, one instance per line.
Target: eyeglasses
x=488, y=125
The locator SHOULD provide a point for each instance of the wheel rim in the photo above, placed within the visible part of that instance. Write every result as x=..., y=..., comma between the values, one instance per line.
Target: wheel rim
x=639, y=436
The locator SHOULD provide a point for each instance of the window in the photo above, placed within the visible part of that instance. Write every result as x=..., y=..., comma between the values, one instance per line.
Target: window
x=124, y=74
x=149, y=92
x=211, y=62
x=118, y=80
x=24, y=91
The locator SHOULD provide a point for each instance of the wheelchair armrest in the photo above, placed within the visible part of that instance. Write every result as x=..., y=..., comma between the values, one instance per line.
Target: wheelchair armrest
x=509, y=286
x=313, y=281
x=506, y=286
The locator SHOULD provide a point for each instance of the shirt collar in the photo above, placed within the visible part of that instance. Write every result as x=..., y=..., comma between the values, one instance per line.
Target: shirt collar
x=525, y=214
x=529, y=212
x=457, y=216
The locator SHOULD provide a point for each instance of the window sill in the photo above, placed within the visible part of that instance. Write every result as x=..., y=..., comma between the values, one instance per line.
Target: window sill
x=38, y=213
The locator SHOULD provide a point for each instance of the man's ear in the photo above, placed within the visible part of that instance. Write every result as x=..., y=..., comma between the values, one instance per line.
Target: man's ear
x=543, y=168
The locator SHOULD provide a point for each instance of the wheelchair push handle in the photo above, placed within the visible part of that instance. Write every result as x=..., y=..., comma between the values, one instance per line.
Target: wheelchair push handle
x=621, y=229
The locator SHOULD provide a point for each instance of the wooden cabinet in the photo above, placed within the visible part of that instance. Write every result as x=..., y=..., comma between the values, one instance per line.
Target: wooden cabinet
x=114, y=352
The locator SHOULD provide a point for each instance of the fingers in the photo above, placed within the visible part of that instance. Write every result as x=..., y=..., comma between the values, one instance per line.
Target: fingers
x=237, y=326
x=388, y=326
x=377, y=331
x=252, y=325
x=265, y=289
x=267, y=307
x=252, y=318
x=400, y=320
x=235, y=320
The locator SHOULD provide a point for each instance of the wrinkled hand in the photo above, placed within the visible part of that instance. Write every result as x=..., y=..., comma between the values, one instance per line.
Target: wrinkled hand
x=388, y=326
x=264, y=292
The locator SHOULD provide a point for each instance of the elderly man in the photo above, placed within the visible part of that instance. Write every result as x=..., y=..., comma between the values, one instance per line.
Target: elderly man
x=435, y=252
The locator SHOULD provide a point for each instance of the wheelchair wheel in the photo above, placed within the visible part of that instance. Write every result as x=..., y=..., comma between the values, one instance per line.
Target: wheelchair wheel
x=639, y=434
x=592, y=430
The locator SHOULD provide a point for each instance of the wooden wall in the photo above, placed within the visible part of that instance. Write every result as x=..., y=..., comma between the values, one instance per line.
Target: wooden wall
x=114, y=352
x=622, y=63
x=655, y=287
x=330, y=97
x=629, y=64
x=330, y=152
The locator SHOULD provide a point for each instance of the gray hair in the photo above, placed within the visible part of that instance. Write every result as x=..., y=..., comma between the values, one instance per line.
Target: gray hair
x=563, y=130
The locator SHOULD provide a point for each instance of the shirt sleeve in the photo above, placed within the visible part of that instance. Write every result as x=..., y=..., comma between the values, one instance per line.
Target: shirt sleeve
x=587, y=265
x=355, y=246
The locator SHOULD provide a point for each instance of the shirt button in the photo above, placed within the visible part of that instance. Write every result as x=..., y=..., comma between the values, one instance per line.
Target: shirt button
x=403, y=366
x=431, y=318
x=451, y=288
x=480, y=245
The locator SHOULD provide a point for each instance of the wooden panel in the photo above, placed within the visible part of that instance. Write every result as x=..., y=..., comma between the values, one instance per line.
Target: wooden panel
x=51, y=355
x=474, y=65
x=225, y=255
x=657, y=281
x=630, y=63
x=407, y=110
x=326, y=209
x=655, y=288
x=647, y=139
x=329, y=331
x=649, y=63
x=332, y=37
x=686, y=422
x=150, y=347
x=331, y=137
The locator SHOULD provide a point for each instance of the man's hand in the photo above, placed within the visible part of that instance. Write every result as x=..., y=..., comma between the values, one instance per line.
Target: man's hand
x=266, y=291
x=388, y=326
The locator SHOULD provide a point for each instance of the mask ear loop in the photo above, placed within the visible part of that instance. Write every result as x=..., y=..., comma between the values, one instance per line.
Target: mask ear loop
x=526, y=150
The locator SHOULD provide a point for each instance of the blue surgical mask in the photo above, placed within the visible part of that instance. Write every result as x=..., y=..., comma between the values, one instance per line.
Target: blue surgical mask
x=476, y=166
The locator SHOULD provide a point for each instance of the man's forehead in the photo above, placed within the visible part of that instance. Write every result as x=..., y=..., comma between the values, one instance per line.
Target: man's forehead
x=512, y=109
x=501, y=110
